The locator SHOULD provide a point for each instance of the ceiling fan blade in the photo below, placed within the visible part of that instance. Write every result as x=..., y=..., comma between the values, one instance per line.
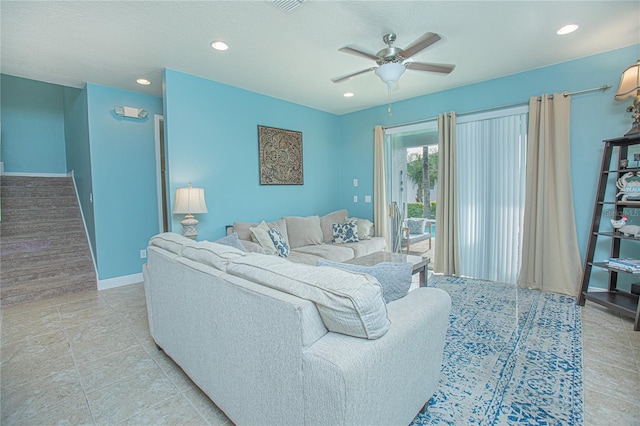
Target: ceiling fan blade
x=348, y=76
x=422, y=43
x=423, y=66
x=357, y=52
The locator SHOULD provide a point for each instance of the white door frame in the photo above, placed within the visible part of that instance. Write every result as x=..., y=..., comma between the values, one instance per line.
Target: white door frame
x=158, y=120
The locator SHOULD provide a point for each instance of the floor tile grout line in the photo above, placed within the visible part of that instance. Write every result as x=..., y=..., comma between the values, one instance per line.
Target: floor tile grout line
x=75, y=365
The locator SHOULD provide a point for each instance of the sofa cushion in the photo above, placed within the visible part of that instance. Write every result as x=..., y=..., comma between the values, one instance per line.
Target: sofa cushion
x=348, y=303
x=212, y=254
x=260, y=235
x=299, y=257
x=232, y=241
x=327, y=221
x=345, y=233
x=365, y=228
x=335, y=252
x=252, y=247
x=243, y=229
x=365, y=247
x=278, y=241
x=394, y=277
x=171, y=242
x=303, y=231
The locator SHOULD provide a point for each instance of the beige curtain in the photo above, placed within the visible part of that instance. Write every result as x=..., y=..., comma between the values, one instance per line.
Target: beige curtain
x=380, y=215
x=446, y=252
x=550, y=255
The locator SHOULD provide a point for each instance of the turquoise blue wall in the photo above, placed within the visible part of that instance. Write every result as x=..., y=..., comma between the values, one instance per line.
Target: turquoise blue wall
x=123, y=172
x=212, y=137
x=78, y=153
x=32, y=126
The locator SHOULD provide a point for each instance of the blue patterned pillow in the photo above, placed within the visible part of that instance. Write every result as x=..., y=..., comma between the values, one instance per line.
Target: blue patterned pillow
x=279, y=242
x=345, y=233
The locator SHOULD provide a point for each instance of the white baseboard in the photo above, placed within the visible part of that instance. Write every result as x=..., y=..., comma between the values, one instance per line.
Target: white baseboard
x=28, y=174
x=120, y=281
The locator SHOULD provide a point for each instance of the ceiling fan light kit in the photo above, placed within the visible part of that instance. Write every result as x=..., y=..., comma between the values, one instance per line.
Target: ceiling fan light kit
x=392, y=61
x=390, y=73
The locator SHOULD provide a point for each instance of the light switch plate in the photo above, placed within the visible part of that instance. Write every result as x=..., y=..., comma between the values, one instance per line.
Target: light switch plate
x=355, y=198
x=355, y=182
x=367, y=198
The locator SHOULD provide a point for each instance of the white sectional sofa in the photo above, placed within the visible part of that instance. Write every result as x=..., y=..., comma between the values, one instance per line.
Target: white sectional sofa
x=274, y=342
x=311, y=238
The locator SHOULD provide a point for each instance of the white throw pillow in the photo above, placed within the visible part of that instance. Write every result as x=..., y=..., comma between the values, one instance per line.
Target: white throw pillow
x=260, y=235
x=365, y=227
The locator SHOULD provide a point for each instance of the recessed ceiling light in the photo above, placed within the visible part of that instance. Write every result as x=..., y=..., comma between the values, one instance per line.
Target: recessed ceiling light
x=567, y=29
x=143, y=81
x=219, y=45
x=348, y=95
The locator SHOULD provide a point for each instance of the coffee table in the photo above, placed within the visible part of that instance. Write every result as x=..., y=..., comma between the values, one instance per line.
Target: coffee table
x=419, y=263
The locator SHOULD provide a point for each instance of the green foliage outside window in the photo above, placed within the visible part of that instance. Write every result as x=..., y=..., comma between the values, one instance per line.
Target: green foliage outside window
x=415, y=209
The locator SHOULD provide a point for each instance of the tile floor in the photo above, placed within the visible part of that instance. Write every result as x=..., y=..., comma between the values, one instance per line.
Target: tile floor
x=78, y=359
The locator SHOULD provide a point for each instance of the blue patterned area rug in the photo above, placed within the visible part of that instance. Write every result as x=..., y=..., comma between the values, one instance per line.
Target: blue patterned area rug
x=512, y=357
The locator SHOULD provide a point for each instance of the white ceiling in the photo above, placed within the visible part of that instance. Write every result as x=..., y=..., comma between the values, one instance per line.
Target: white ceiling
x=293, y=55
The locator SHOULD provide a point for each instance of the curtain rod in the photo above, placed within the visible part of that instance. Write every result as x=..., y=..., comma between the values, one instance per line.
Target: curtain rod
x=565, y=94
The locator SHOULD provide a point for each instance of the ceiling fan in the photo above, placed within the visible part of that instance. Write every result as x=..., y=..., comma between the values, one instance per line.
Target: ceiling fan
x=392, y=61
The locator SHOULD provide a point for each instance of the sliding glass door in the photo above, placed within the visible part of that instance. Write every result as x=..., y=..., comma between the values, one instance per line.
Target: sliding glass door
x=412, y=181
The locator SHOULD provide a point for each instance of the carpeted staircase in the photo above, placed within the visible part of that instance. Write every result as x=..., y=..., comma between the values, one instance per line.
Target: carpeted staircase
x=44, y=250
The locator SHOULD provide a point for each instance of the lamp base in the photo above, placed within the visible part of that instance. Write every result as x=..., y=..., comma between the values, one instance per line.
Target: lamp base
x=635, y=129
x=189, y=226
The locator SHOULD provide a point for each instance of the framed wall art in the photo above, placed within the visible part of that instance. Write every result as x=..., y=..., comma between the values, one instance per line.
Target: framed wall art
x=280, y=156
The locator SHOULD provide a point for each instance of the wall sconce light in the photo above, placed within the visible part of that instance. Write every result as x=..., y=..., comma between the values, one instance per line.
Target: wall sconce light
x=131, y=112
x=188, y=201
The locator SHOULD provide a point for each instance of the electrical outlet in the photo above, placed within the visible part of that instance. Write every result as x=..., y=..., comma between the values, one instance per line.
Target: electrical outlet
x=355, y=198
x=367, y=198
x=143, y=254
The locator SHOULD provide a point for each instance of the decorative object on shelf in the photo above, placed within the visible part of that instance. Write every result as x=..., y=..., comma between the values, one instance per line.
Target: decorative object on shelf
x=628, y=188
x=130, y=112
x=189, y=200
x=624, y=163
x=625, y=264
x=619, y=223
x=630, y=88
x=280, y=156
x=626, y=230
x=630, y=230
x=636, y=158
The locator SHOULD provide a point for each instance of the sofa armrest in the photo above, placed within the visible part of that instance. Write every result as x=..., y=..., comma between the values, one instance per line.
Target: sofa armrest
x=383, y=381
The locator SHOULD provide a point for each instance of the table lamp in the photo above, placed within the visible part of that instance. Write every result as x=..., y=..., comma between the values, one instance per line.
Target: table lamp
x=188, y=201
x=630, y=88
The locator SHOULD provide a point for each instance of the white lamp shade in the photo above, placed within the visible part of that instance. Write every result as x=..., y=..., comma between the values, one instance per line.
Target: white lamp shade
x=629, y=82
x=390, y=73
x=189, y=200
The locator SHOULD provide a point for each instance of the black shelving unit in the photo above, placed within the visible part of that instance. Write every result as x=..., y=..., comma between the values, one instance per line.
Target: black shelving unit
x=613, y=298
